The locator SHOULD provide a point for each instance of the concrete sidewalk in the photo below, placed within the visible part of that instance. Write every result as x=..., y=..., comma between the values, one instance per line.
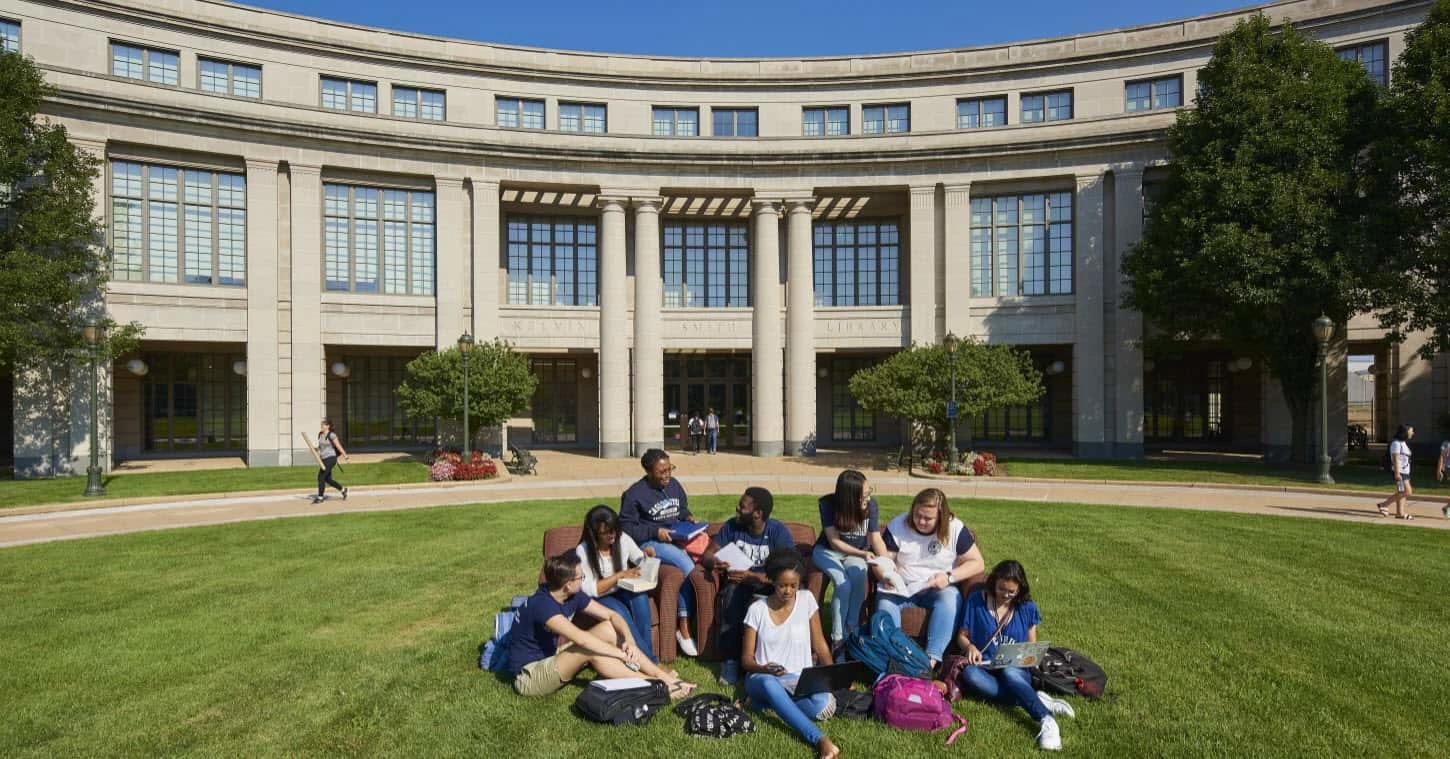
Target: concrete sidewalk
x=572, y=475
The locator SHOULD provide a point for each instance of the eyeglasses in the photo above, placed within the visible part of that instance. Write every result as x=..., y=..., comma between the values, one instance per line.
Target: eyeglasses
x=671, y=470
x=579, y=577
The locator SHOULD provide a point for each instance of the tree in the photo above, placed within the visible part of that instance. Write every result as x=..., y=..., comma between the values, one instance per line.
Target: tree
x=1407, y=182
x=1252, y=236
x=915, y=384
x=52, y=264
x=500, y=384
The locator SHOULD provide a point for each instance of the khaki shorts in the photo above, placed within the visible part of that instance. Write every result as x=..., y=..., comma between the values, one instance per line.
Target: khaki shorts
x=538, y=678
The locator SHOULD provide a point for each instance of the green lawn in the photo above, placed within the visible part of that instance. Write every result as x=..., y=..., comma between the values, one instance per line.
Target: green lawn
x=1358, y=474
x=357, y=635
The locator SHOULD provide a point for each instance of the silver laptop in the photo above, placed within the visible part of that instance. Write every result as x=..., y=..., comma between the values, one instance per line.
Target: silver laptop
x=1017, y=655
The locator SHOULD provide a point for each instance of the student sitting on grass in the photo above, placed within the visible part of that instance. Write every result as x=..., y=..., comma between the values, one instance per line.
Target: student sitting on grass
x=1002, y=611
x=541, y=666
x=781, y=633
x=608, y=556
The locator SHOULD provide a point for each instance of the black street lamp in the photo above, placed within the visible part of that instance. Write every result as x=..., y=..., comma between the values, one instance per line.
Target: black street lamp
x=951, y=342
x=93, y=332
x=1323, y=329
x=465, y=346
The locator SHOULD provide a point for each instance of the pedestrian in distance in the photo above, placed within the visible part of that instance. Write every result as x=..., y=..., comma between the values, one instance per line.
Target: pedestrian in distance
x=696, y=428
x=1400, y=472
x=329, y=447
x=1440, y=473
x=712, y=430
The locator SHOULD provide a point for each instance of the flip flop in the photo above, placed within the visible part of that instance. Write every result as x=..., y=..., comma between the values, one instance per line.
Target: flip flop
x=1405, y=517
x=1384, y=510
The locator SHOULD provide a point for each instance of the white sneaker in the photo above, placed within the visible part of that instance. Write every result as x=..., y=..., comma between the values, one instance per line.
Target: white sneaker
x=1057, y=706
x=1445, y=511
x=687, y=645
x=1049, y=738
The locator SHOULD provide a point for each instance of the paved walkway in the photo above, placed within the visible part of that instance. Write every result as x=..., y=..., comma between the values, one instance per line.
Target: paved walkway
x=572, y=475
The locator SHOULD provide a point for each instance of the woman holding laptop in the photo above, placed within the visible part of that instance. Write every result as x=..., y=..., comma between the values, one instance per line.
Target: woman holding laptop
x=608, y=556
x=1001, y=612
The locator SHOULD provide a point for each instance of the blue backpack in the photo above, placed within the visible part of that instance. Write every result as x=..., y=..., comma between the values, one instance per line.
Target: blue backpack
x=495, y=654
x=883, y=647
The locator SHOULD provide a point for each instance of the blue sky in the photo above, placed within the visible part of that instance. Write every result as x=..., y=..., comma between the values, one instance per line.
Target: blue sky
x=750, y=28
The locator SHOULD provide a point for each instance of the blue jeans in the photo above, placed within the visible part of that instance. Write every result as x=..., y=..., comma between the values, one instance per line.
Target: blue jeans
x=713, y=436
x=634, y=607
x=768, y=691
x=1008, y=685
x=848, y=577
x=942, y=604
x=675, y=556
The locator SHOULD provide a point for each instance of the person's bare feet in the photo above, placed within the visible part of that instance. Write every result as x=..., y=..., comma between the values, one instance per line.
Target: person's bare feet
x=679, y=689
x=826, y=749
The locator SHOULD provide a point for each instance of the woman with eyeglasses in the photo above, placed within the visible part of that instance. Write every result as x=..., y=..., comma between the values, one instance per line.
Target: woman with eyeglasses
x=547, y=650
x=1002, y=611
x=608, y=557
x=848, y=518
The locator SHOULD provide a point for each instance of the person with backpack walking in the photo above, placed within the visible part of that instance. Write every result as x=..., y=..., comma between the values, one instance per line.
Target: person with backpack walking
x=849, y=516
x=329, y=446
x=696, y=428
x=782, y=632
x=609, y=556
x=1002, y=611
x=932, y=551
x=1399, y=466
x=712, y=431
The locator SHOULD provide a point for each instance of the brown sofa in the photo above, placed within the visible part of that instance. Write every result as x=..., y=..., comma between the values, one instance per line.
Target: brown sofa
x=913, y=621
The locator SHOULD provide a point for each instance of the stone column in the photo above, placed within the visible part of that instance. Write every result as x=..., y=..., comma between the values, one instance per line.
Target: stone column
x=922, y=291
x=800, y=329
x=308, y=370
x=649, y=353
x=613, y=340
x=451, y=260
x=957, y=266
x=766, y=424
x=1125, y=342
x=1088, y=434
x=485, y=259
x=263, y=321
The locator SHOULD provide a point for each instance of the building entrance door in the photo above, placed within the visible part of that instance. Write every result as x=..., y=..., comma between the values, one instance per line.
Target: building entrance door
x=699, y=383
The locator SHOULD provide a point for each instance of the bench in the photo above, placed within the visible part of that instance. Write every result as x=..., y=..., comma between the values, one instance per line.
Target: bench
x=521, y=462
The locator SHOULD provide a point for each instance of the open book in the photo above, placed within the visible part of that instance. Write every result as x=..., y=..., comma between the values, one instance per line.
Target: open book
x=649, y=577
x=889, y=574
x=681, y=532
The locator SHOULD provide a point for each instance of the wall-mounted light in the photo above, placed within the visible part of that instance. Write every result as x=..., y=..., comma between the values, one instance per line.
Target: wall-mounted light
x=586, y=372
x=823, y=372
x=340, y=369
x=137, y=367
x=1056, y=367
x=239, y=367
x=1243, y=363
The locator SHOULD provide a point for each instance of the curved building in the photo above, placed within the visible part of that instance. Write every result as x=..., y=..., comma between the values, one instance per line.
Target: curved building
x=297, y=207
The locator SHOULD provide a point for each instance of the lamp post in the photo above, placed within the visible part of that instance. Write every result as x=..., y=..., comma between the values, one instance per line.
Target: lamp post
x=1323, y=328
x=465, y=346
x=92, y=332
x=951, y=342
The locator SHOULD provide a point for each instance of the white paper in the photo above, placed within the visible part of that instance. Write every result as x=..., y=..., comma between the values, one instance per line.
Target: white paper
x=889, y=574
x=734, y=557
x=620, y=683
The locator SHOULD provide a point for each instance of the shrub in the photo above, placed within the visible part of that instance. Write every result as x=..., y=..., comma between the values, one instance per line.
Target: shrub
x=446, y=465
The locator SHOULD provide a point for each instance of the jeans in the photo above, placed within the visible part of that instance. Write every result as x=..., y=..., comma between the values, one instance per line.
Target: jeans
x=634, y=607
x=714, y=437
x=943, y=605
x=675, y=556
x=768, y=691
x=1009, y=685
x=848, y=576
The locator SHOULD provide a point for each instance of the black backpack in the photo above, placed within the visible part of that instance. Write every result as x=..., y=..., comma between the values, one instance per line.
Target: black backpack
x=1387, y=462
x=1063, y=670
x=625, y=706
x=711, y=715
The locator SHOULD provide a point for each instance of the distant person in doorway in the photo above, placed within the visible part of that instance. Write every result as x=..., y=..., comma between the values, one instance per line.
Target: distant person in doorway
x=1440, y=473
x=696, y=427
x=1400, y=471
x=712, y=431
x=329, y=446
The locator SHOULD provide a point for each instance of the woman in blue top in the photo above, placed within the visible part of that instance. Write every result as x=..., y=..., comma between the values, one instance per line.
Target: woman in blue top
x=848, y=518
x=1002, y=611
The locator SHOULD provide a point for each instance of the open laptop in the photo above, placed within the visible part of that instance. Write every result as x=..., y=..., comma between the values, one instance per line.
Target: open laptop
x=1017, y=655
x=829, y=677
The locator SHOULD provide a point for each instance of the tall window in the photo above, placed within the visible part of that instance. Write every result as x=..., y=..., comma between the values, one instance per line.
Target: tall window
x=857, y=263
x=1372, y=56
x=583, y=117
x=735, y=122
x=517, y=113
x=347, y=95
x=133, y=62
x=553, y=262
x=1047, y=106
x=223, y=78
x=1022, y=244
x=171, y=224
x=848, y=420
x=676, y=122
x=707, y=265
x=374, y=416
x=1153, y=94
x=9, y=36
x=826, y=122
x=414, y=103
x=193, y=402
x=886, y=119
x=1025, y=422
x=973, y=113
x=378, y=240
x=555, y=405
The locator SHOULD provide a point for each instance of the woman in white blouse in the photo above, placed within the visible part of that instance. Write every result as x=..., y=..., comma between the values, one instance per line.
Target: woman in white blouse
x=608, y=556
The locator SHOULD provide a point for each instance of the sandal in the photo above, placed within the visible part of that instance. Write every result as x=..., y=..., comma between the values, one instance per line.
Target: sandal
x=1405, y=517
x=679, y=689
x=1384, y=510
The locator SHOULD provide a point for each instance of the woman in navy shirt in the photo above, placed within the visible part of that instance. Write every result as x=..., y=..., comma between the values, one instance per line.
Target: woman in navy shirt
x=1002, y=611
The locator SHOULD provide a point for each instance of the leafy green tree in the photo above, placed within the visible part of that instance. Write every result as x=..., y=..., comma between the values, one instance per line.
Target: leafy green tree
x=1407, y=180
x=1252, y=234
x=915, y=384
x=500, y=384
x=52, y=264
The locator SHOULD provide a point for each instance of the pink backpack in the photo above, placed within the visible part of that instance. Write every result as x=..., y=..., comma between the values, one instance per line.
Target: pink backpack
x=909, y=703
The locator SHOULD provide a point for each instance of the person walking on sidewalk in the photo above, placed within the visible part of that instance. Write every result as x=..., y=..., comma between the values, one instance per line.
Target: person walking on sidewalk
x=712, y=430
x=329, y=446
x=696, y=427
x=1400, y=470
